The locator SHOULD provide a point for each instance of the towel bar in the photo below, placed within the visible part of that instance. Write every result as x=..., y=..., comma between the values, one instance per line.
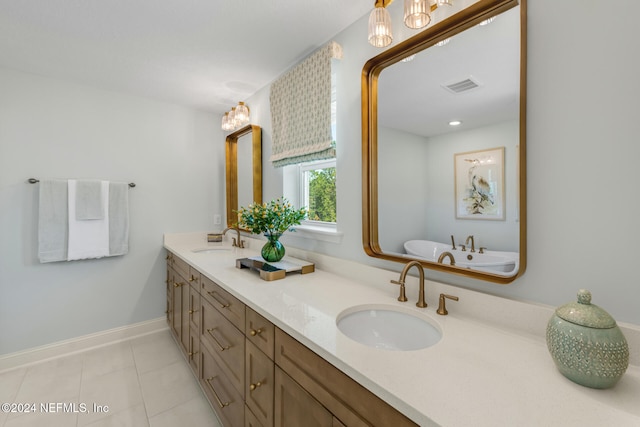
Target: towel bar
x=35, y=181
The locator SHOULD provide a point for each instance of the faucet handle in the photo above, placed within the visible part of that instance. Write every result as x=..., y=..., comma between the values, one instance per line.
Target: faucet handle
x=403, y=296
x=482, y=249
x=442, y=309
x=464, y=248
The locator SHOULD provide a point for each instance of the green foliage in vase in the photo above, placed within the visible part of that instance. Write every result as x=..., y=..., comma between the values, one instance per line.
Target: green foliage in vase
x=274, y=217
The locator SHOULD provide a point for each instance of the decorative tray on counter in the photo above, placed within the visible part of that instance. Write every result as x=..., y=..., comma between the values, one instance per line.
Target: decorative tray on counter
x=275, y=270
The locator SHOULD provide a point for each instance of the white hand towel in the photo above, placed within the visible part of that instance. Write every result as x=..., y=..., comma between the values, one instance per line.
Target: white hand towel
x=89, y=199
x=53, y=220
x=88, y=238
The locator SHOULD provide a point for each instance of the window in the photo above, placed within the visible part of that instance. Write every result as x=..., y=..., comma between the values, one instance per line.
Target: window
x=318, y=190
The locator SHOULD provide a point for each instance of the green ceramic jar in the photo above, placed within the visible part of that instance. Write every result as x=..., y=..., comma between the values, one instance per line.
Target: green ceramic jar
x=586, y=344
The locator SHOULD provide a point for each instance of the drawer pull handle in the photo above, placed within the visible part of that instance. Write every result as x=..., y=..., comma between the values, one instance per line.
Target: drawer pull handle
x=254, y=332
x=222, y=348
x=192, y=353
x=193, y=311
x=223, y=303
x=221, y=404
x=254, y=386
x=177, y=284
x=193, y=278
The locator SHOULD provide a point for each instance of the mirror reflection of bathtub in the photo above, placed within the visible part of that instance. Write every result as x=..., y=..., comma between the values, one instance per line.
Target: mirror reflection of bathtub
x=496, y=262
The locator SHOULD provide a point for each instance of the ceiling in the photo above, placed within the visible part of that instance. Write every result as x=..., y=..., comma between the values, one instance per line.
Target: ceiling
x=207, y=54
x=488, y=55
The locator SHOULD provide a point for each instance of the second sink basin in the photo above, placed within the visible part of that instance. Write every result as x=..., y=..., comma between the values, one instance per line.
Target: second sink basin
x=387, y=327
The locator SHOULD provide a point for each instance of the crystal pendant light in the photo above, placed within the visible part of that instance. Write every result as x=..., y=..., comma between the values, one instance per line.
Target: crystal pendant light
x=380, y=26
x=417, y=13
x=242, y=114
x=226, y=125
x=444, y=2
x=232, y=118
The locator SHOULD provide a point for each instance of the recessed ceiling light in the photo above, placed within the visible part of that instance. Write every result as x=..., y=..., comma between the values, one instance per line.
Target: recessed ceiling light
x=455, y=123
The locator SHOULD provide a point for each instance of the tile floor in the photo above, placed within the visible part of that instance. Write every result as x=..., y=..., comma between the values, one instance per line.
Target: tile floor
x=144, y=382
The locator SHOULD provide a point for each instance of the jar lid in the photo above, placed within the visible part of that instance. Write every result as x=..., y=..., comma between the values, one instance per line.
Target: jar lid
x=586, y=314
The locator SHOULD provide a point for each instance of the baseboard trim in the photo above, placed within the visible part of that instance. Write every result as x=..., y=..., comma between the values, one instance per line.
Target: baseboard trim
x=79, y=344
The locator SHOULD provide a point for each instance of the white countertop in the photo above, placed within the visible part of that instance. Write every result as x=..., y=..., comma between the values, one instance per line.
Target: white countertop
x=491, y=367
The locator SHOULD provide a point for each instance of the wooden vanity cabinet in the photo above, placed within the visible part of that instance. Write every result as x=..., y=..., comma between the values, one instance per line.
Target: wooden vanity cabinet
x=254, y=374
x=348, y=401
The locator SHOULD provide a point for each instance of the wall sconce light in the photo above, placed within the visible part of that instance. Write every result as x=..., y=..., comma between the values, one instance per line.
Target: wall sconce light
x=236, y=118
x=380, y=24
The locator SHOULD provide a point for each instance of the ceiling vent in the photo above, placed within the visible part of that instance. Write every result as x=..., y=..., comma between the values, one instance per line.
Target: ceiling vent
x=462, y=86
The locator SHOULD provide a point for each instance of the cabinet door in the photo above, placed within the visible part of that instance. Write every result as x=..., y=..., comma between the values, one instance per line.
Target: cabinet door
x=194, y=352
x=295, y=407
x=184, y=316
x=169, y=287
x=176, y=319
x=260, y=331
x=259, y=384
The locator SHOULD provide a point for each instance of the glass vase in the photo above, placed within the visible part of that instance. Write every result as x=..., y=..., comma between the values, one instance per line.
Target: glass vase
x=273, y=250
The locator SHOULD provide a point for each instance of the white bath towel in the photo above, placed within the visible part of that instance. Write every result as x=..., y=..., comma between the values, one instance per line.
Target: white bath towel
x=118, y=218
x=88, y=238
x=53, y=220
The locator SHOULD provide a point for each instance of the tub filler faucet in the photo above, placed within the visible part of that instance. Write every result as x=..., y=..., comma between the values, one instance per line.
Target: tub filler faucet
x=473, y=245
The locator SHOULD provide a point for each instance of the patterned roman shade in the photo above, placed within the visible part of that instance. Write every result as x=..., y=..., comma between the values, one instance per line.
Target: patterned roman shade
x=301, y=110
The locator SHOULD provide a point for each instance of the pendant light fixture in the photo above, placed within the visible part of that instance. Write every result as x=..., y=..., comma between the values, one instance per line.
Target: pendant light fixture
x=380, y=24
x=237, y=117
x=417, y=13
x=242, y=114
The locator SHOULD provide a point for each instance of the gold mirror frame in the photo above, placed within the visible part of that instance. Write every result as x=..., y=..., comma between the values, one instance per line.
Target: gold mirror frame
x=231, y=153
x=459, y=22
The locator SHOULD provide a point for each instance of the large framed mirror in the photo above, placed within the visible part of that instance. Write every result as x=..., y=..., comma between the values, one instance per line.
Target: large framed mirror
x=452, y=197
x=243, y=152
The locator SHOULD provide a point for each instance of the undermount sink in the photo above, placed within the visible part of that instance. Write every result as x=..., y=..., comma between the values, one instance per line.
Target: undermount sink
x=387, y=327
x=211, y=249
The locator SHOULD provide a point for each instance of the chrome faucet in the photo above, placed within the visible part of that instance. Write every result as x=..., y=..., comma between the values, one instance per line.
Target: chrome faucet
x=236, y=243
x=449, y=255
x=403, y=297
x=473, y=246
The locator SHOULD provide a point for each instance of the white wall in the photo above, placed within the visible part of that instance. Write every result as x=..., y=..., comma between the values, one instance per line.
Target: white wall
x=499, y=235
x=582, y=156
x=50, y=128
x=581, y=159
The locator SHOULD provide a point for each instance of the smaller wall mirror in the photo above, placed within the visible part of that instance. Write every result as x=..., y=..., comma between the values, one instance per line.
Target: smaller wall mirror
x=243, y=149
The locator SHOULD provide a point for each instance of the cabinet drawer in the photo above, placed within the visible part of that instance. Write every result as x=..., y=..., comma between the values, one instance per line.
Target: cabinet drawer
x=260, y=332
x=231, y=307
x=225, y=342
x=180, y=266
x=194, y=277
x=259, y=384
x=350, y=402
x=224, y=398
